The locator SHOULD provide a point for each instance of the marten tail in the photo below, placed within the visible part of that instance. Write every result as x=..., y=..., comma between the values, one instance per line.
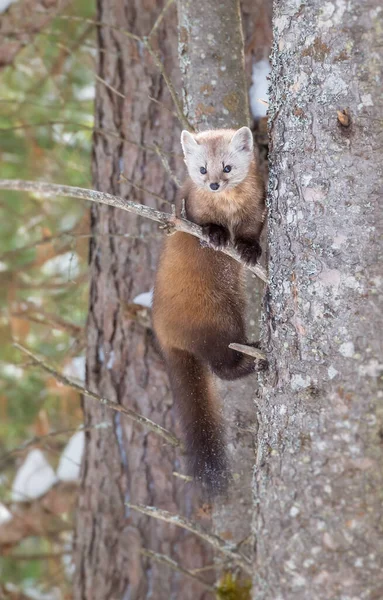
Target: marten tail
x=195, y=401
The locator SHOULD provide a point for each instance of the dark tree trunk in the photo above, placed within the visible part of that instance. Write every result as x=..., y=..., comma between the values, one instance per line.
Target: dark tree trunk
x=319, y=479
x=124, y=462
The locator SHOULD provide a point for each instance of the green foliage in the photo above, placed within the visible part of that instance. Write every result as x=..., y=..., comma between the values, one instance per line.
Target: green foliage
x=46, y=120
x=230, y=588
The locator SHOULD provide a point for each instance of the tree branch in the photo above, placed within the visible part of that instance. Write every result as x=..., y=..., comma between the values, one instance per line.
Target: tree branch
x=166, y=560
x=131, y=414
x=169, y=222
x=146, y=42
x=249, y=351
x=211, y=539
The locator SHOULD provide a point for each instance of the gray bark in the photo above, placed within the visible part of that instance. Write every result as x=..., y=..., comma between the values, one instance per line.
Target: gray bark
x=318, y=483
x=215, y=93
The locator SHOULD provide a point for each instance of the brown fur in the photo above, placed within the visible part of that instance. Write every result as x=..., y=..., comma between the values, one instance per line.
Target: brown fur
x=198, y=310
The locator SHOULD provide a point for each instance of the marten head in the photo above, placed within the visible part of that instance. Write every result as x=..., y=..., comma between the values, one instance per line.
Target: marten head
x=219, y=159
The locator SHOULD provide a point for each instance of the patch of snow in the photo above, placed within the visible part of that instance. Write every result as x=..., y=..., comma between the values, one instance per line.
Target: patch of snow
x=84, y=93
x=66, y=265
x=5, y=515
x=71, y=457
x=75, y=368
x=144, y=299
x=4, y=4
x=12, y=371
x=34, y=478
x=259, y=88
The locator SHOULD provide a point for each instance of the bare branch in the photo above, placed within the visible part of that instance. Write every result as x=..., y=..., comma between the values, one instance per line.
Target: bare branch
x=213, y=540
x=146, y=41
x=131, y=414
x=81, y=126
x=166, y=165
x=142, y=189
x=249, y=350
x=40, y=556
x=180, y=113
x=110, y=87
x=160, y=17
x=166, y=560
x=168, y=221
x=182, y=476
x=41, y=439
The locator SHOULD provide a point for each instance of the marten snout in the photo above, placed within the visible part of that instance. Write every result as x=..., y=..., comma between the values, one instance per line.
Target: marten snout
x=214, y=186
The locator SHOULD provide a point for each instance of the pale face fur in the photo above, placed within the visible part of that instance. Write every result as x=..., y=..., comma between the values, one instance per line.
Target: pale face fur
x=213, y=150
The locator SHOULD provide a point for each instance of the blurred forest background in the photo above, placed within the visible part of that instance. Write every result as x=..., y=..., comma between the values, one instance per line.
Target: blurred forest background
x=46, y=120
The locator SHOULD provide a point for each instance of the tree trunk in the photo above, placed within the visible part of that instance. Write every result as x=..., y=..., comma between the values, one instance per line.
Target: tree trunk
x=319, y=480
x=124, y=462
x=215, y=93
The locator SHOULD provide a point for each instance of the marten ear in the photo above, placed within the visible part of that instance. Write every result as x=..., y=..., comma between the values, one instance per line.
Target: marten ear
x=188, y=143
x=242, y=140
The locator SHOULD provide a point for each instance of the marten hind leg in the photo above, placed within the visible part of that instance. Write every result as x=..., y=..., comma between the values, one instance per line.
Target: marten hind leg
x=227, y=363
x=230, y=364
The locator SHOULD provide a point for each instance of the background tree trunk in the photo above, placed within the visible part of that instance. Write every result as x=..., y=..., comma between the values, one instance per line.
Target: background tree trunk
x=318, y=512
x=125, y=462
x=215, y=92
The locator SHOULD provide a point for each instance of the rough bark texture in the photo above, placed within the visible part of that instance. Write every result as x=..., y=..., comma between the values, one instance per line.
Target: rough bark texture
x=212, y=62
x=216, y=95
x=318, y=484
x=125, y=462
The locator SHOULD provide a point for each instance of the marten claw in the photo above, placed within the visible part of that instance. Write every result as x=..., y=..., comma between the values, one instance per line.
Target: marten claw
x=217, y=235
x=249, y=251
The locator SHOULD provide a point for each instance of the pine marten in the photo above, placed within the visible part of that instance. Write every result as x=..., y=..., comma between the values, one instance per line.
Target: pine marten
x=199, y=295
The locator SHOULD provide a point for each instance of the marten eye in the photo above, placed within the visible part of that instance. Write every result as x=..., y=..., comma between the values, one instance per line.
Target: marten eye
x=203, y=171
x=227, y=169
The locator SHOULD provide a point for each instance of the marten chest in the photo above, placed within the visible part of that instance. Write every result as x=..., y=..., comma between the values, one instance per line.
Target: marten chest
x=219, y=210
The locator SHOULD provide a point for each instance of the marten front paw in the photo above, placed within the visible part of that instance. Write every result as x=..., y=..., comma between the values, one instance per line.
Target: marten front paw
x=249, y=250
x=217, y=235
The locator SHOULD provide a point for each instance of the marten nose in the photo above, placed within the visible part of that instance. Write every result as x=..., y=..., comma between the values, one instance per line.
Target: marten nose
x=214, y=186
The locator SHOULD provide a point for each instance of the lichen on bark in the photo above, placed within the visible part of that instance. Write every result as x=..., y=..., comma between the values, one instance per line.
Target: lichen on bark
x=318, y=478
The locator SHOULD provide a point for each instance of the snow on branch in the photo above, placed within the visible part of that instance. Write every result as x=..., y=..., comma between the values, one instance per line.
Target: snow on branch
x=169, y=222
x=131, y=414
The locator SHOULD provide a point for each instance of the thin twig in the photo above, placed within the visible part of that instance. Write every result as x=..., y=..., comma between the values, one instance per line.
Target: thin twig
x=159, y=19
x=168, y=221
x=146, y=42
x=180, y=113
x=213, y=540
x=248, y=350
x=213, y=567
x=131, y=414
x=163, y=106
x=109, y=86
x=101, y=24
x=166, y=560
x=67, y=234
x=39, y=439
x=166, y=165
x=81, y=126
x=182, y=476
x=145, y=190
x=39, y=556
